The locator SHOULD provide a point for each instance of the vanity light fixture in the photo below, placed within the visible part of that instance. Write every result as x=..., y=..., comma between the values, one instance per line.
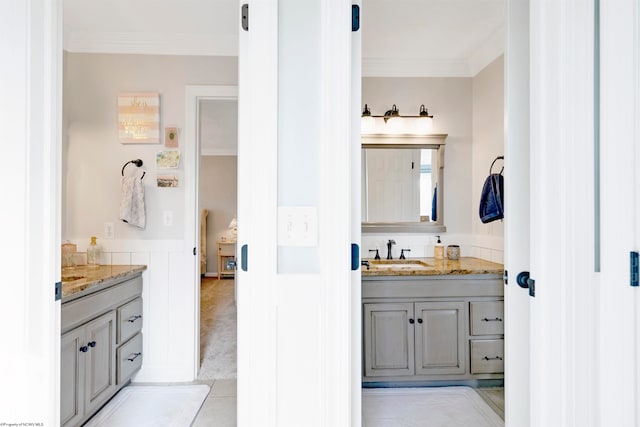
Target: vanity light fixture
x=392, y=123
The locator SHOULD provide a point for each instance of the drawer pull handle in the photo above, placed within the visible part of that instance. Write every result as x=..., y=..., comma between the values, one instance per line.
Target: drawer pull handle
x=134, y=318
x=135, y=355
x=492, y=358
x=497, y=319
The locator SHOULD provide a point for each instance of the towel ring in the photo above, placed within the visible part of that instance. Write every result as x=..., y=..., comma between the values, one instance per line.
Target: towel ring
x=136, y=162
x=495, y=160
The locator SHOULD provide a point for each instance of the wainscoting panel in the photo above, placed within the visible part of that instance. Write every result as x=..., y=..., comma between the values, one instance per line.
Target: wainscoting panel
x=168, y=302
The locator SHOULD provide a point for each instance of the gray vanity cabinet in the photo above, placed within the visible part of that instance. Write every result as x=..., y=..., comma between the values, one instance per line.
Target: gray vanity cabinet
x=439, y=338
x=432, y=329
x=87, y=372
x=389, y=339
x=406, y=339
x=100, y=332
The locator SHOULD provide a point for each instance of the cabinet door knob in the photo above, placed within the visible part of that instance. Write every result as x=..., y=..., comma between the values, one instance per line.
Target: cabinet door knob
x=92, y=344
x=411, y=321
x=419, y=320
x=84, y=349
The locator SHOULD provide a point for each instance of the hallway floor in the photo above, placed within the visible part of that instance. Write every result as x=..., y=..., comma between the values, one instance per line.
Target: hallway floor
x=218, y=353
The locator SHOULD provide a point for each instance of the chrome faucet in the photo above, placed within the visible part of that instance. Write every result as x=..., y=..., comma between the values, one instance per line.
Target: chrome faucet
x=389, y=244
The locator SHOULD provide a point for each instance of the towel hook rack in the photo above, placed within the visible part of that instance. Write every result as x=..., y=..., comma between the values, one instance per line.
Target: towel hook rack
x=137, y=162
x=495, y=160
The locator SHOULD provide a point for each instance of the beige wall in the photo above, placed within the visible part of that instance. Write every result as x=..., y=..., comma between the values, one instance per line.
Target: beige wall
x=488, y=141
x=449, y=101
x=219, y=195
x=92, y=154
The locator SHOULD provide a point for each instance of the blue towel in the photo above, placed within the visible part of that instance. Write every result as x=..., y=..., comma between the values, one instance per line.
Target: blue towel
x=492, y=199
x=434, y=204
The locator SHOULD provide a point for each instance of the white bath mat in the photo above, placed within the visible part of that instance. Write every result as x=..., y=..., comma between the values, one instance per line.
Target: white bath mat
x=152, y=406
x=426, y=407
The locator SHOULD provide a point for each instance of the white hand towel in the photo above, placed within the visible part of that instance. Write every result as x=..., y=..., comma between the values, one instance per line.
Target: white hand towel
x=132, y=209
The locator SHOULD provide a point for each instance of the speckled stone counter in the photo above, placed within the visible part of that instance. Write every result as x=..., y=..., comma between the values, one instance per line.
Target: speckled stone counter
x=83, y=280
x=433, y=267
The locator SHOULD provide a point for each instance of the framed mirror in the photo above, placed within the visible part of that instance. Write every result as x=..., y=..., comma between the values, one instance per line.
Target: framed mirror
x=403, y=183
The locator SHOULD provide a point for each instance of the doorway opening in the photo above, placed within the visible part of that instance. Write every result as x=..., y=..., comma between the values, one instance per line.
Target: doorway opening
x=217, y=199
x=211, y=121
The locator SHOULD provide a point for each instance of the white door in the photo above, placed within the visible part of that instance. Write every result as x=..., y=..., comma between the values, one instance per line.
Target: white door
x=617, y=311
x=295, y=145
x=393, y=178
x=31, y=115
x=517, y=300
x=573, y=378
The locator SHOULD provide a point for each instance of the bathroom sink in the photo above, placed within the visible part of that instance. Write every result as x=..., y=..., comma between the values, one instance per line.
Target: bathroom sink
x=400, y=264
x=72, y=278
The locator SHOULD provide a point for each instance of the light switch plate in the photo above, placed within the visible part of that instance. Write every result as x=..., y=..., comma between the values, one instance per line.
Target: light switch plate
x=108, y=230
x=298, y=226
x=167, y=218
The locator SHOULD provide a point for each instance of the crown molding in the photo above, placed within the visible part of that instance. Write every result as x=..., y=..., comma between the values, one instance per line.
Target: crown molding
x=383, y=67
x=488, y=51
x=151, y=43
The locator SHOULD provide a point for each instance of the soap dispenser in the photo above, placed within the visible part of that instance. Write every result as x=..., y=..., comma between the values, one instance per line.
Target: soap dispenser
x=93, y=253
x=438, y=249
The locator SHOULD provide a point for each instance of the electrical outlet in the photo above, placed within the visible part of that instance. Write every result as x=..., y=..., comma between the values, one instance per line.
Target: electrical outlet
x=109, y=230
x=167, y=218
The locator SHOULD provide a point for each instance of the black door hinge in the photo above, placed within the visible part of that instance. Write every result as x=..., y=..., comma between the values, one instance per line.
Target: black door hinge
x=194, y=251
x=355, y=17
x=57, y=291
x=634, y=262
x=245, y=17
x=244, y=261
x=505, y=277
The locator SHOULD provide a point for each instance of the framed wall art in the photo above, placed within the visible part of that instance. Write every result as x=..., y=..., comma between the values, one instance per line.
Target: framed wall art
x=139, y=118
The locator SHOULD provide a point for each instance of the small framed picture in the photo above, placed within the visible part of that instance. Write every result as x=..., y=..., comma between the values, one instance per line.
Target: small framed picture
x=171, y=137
x=139, y=118
x=167, y=181
x=168, y=159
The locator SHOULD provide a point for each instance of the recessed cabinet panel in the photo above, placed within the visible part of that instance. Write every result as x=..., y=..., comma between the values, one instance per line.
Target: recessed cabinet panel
x=487, y=356
x=129, y=358
x=389, y=343
x=487, y=317
x=129, y=320
x=440, y=338
x=71, y=377
x=101, y=368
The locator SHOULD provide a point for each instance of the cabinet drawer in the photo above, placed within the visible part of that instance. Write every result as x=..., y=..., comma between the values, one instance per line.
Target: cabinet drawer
x=487, y=356
x=487, y=317
x=129, y=358
x=228, y=249
x=129, y=320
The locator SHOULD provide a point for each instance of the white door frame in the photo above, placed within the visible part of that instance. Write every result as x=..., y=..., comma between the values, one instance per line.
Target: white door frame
x=31, y=108
x=193, y=95
x=564, y=334
x=270, y=359
x=516, y=299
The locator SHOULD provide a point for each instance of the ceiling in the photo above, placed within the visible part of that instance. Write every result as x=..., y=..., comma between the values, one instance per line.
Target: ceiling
x=400, y=38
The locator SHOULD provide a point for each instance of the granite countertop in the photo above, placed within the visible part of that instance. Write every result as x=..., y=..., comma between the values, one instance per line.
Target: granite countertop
x=431, y=267
x=87, y=279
